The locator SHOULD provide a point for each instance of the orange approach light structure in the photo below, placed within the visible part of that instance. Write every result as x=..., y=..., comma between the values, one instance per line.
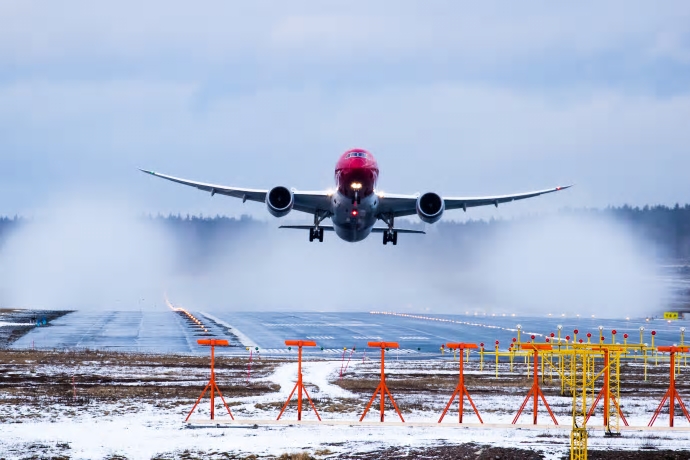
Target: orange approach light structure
x=535, y=390
x=605, y=394
x=460, y=390
x=299, y=385
x=212, y=383
x=671, y=392
x=382, y=386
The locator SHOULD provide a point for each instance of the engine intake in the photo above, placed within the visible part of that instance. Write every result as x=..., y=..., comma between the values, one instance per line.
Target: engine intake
x=279, y=201
x=430, y=207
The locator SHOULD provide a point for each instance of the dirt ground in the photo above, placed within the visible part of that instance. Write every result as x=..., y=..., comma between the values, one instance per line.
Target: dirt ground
x=39, y=378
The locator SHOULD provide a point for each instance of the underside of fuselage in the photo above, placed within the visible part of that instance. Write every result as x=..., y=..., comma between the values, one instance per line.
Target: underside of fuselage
x=352, y=220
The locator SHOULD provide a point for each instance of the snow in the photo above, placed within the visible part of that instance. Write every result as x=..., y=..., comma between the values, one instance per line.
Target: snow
x=143, y=430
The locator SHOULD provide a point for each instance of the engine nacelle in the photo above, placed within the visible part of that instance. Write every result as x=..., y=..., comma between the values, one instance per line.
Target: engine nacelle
x=279, y=201
x=430, y=207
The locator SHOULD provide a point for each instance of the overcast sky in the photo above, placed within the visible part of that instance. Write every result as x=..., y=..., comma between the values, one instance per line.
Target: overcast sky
x=456, y=97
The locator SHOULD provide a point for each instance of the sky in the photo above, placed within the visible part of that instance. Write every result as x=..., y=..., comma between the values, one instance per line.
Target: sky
x=460, y=98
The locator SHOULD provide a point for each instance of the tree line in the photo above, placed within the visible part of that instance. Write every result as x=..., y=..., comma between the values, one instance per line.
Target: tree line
x=664, y=226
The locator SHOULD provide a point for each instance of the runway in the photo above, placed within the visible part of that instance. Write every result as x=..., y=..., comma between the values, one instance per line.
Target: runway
x=166, y=331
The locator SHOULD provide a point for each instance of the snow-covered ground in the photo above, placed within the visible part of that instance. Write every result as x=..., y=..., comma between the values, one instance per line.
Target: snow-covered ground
x=139, y=429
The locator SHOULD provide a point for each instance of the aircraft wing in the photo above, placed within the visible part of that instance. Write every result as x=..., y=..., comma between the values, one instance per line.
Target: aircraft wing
x=309, y=202
x=406, y=205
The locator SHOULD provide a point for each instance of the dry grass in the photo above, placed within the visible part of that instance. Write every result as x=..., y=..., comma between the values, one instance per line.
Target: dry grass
x=298, y=456
x=33, y=376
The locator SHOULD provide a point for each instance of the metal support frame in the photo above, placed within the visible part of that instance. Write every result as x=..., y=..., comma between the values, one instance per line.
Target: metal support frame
x=671, y=392
x=578, y=444
x=299, y=385
x=460, y=390
x=581, y=369
x=320, y=216
x=391, y=235
x=212, y=383
x=608, y=395
x=535, y=391
x=382, y=386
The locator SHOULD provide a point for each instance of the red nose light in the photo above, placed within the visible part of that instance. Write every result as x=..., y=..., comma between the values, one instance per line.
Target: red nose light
x=354, y=212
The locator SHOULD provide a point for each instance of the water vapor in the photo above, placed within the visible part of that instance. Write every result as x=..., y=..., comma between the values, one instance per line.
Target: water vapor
x=91, y=255
x=568, y=263
x=85, y=255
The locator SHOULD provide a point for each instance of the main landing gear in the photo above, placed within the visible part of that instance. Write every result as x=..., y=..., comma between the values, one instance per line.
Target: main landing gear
x=316, y=232
x=390, y=235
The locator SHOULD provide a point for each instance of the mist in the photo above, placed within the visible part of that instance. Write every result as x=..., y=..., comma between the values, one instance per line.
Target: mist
x=563, y=263
x=572, y=264
x=87, y=255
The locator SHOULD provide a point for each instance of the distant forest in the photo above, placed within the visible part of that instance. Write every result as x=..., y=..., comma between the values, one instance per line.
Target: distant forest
x=666, y=227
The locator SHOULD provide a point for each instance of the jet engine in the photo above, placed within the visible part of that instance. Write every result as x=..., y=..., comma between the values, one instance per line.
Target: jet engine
x=279, y=201
x=430, y=207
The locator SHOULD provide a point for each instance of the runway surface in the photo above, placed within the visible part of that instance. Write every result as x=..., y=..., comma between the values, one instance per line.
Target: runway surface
x=419, y=337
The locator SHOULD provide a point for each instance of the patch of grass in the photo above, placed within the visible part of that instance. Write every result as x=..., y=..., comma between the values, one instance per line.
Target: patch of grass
x=297, y=456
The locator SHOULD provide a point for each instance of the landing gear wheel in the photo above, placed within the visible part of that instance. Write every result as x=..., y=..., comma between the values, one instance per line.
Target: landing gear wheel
x=391, y=236
x=316, y=234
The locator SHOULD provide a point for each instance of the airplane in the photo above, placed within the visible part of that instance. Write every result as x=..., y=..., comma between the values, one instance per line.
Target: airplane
x=355, y=205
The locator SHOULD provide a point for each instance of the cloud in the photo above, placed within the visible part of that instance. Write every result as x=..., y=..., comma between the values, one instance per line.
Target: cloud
x=455, y=98
x=215, y=31
x=457, y=139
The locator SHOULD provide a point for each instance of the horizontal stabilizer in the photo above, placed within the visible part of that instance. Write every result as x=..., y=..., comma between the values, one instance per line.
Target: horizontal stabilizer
x=399, y=230
x=327, y=228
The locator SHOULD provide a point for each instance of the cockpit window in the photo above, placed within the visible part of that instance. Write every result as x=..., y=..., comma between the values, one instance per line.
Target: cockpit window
x=356, y=155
